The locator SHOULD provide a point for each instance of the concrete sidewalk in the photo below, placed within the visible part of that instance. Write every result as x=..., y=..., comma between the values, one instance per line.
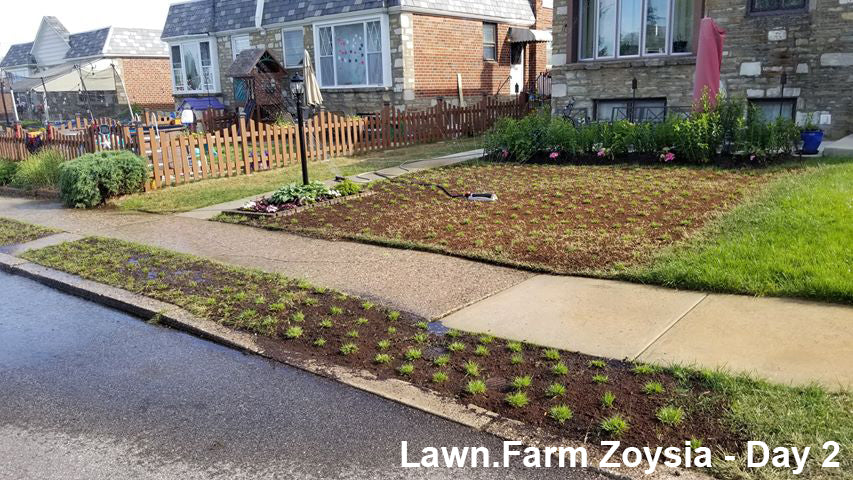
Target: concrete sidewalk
x=786, y=341
x=206, y=213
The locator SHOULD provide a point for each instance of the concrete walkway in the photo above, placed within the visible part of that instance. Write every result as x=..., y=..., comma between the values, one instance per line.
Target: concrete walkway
x=206, y=213
x=787, y=341
x=839, y=148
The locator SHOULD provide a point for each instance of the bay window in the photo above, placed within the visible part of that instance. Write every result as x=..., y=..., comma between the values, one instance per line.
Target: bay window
x=354, y=54
x=193, y=67
x=633, y=28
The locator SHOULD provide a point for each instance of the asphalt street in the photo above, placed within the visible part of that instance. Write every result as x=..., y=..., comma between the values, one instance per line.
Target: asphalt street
x=87, y=392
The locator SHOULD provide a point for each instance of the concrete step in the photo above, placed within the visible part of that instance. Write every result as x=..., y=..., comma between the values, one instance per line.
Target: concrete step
x=839, y=148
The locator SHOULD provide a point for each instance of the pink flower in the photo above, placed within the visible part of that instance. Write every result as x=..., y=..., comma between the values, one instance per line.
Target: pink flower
x=669, y=157
x=505, y=153
x=554, y=155
x=752, y=158
x=602, y=153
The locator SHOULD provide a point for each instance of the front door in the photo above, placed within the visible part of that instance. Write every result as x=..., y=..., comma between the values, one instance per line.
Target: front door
x=516, y=72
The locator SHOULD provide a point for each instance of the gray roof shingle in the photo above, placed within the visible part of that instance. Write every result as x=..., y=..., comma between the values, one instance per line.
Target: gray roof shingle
x=190, y=18
x=136, y=42
x=18, y=55
x=87, y=44
x=58, y=27
x=197, y=17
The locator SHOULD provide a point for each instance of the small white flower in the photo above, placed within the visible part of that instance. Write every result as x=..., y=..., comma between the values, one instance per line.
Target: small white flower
x=272, y=209
x=250, y=206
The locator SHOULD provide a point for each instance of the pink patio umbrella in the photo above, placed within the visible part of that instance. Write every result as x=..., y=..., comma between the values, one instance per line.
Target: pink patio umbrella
x=709, y=62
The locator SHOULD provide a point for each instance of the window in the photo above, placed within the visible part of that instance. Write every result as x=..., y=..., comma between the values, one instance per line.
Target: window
x=490, y=41
x=193, y=68
x=773, y=108
x=645, y=110
x=632, y=28
x=762, y=6
x=294, y=48
x=240, y=43
x=353, y=54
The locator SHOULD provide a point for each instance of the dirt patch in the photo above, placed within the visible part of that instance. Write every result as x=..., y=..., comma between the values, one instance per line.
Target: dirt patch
x=563, y=219
x=292, y=316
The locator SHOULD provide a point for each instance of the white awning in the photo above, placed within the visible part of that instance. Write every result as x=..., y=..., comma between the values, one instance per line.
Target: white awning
x=526, y=35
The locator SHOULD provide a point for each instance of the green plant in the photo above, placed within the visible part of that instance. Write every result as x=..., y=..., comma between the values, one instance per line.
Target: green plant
x=597, y=364
x=476, y=387
x=561, y=413
x=406, y=369
x=393, y=315
x=520, y=383
x=454, y=333
x=644, y=369
x=555, y=390
x=92, y=179
x=441, y=361
x=392, y=330
x=615, y=426
x=515, y=347
x=367, y=305
x=336, y=310
x=413, y=354
x=362, y=322
x=456, y=347
x=422, y=326
x=7, y=171
x=560, y=369
x=347, y=188
x=294, y=333
x=670, y=415
x=297, y=193
x=38, y=171
x=608, y=399
x=653, y=388
x=348, y=349
x=382, y=358
x=439, y=377
x=516, y=359
x=481, y=351
x=420, y=337
x=551, y=354
x=326, y=323
x=600, y=379
x=472, y=369
x=383, y=344
x=517, y=399
x=352, y=334
x=320, y=342
x=486, y=339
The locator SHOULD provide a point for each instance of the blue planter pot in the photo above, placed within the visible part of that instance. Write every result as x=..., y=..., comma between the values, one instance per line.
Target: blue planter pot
x=811, y=142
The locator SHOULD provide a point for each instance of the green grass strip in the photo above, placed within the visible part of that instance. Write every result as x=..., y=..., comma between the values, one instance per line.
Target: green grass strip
x=13, y=232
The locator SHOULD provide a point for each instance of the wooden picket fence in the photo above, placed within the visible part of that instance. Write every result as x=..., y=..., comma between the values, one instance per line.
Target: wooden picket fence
x=248, y=147
x=14, y=141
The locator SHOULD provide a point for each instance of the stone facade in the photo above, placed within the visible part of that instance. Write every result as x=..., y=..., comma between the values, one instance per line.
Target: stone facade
x=814, y=47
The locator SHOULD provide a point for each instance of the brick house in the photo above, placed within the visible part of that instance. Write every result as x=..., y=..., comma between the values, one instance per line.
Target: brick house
x=600, y=46
x=406, y=53
x=115, y=63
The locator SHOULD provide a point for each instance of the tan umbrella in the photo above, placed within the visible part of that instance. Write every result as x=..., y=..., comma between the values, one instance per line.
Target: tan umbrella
x=313, y=96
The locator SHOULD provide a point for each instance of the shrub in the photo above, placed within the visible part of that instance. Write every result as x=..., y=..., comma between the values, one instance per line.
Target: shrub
x=92, y=179
x=300, y=194
x=7, y=171
x=347, y=188
x=38, y=171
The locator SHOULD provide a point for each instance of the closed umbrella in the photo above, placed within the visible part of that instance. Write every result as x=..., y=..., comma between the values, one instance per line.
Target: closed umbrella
x=709, y=62
x=313, y=96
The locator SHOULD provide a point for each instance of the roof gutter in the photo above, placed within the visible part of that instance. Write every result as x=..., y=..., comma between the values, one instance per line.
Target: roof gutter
x=445, y=13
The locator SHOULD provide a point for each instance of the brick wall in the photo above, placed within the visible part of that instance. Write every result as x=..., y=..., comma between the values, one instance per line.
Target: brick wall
x=148, y=82
x=815, y=49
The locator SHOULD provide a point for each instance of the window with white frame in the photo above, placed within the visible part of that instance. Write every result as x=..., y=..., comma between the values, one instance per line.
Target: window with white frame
x=353, y=54
x=239, y=44
x=193, y=67
x=294, y=48
x=633, y=28
x=490, y=41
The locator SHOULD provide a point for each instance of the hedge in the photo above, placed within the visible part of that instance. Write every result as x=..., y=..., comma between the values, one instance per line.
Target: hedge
x=92, y=179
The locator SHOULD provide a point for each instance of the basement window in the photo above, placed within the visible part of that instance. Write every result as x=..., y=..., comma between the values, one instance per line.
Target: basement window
x=773, y=108
x=776, y=6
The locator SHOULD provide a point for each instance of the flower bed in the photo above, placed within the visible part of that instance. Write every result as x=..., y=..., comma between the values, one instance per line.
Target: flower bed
x=732, y=132
x=295, y=197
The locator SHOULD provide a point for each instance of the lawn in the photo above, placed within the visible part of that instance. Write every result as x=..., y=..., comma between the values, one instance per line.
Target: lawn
x=13, y=232
x=561, y=219
x=212, y=192
x=568, y=394
x=795, y=239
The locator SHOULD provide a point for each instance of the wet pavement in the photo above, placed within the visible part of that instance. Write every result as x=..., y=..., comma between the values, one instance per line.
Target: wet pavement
x=89, y=393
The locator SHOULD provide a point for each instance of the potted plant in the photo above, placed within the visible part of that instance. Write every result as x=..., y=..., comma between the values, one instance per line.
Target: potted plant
x=812, y=136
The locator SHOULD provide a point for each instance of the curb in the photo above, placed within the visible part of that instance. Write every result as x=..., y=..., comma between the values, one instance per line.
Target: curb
x=395, y=390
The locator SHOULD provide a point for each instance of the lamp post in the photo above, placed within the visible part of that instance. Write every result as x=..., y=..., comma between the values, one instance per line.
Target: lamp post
x=297, y=86
x=783, y=81
x=634, y=85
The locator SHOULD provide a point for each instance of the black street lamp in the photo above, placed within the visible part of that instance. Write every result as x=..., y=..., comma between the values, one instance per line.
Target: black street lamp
x=297, y=86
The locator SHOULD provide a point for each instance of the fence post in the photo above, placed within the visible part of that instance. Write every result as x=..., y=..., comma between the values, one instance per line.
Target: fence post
x=243, y=142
